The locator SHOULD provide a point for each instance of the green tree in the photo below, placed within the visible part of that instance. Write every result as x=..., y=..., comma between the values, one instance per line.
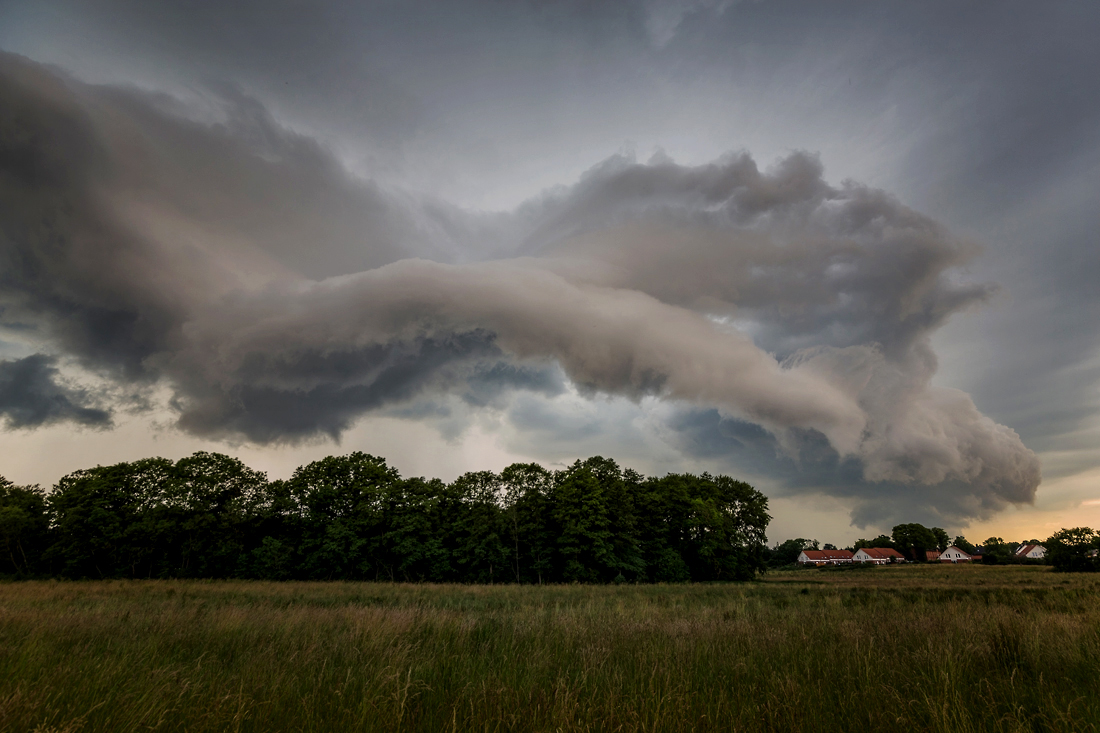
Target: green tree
x=787, y=552
x=477, y=527
x=273, y=559
x=665, y=509
x=996, y=550
x=1068, y=550
x=584, y=544
x=415, y=542
x=730, y=519
x=346, y=506
x=353, y=517
x=24, y=528
x=619, y=490
x=275, y=533
x=213, y=498
x=913, y=540
x=152, y=533
x=943, y=540
x=880, y=541
x=962, y=543
x=531, y=533
x=106, y=523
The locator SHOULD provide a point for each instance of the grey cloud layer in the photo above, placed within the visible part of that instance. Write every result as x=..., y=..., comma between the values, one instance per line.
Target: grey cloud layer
x=159, y=248
x=32, y=395
x=810, y=264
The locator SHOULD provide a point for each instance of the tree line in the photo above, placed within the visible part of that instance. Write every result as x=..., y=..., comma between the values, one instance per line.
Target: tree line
x=1073, y=549
x=354, y=517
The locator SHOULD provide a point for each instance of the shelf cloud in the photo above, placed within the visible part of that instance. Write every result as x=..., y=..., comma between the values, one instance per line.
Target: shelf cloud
x=277, y=297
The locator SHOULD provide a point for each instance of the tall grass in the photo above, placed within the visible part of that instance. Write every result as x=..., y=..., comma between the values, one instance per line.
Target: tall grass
x=918, y=648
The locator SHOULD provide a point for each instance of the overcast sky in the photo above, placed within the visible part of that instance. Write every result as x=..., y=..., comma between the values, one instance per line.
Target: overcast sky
x=847, y=251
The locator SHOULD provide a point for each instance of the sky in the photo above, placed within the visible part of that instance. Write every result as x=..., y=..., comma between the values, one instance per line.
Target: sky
x=846, y=251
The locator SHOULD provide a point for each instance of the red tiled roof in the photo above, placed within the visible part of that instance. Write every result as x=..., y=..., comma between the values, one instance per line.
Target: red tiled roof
x=827, y=554
x=931, y=555
x=882, y=552
x=1024, y=549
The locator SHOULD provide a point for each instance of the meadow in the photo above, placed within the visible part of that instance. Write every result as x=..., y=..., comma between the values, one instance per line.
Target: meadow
x=918, y=648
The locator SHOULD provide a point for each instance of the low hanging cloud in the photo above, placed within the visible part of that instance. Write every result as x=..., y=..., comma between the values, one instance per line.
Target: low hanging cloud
x=278, y=298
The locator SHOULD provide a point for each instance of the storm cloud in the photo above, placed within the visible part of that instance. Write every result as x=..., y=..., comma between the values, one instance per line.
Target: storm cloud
x=32, y=395
x=279, y=297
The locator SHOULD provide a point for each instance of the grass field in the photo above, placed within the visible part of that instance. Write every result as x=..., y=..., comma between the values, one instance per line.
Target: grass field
x=937, y=648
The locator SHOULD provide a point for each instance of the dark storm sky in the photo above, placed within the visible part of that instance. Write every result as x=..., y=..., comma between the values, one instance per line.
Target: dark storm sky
x=847, y=249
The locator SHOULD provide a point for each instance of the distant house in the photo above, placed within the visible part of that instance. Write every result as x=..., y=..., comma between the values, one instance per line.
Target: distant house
x=878, y=555
x=1033, y=552
x=954, y=554
x=824, y=557
x=932, y=555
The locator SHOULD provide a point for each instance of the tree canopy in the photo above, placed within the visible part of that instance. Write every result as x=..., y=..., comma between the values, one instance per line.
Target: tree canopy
x=786, y=553
x=880, y=541
x=963, y=544
x=354, y=517
x=1074, y=550
x=913, y=540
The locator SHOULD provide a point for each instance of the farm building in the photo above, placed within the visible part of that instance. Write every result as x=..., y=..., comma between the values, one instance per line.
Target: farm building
x=1033, y=552
x=954, y=554
x=932, y=555
x=824, y=557
x=878, y=555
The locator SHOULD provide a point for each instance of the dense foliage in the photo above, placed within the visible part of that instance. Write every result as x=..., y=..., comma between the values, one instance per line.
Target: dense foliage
x=786, y=553
x=354, y=517
x=1074, y=550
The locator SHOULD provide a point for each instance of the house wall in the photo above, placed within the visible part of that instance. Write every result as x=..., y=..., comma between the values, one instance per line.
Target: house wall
x=954, y=554
x=862, y=556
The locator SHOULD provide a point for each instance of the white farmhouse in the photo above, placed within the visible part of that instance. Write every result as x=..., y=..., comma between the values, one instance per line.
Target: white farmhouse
x=878, y=555
x=954, y=554
x=1034, y=552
